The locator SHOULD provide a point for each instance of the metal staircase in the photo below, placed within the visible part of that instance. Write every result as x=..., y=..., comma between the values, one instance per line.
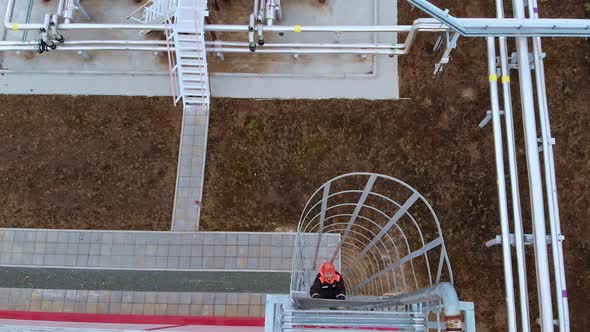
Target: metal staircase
x=390, y=252
x=191, y=58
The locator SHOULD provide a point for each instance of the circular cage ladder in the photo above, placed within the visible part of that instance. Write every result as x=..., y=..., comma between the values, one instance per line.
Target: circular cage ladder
x=381, y=234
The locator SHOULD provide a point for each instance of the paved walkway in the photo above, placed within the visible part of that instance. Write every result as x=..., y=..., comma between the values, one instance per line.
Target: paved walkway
x=191, y=166
x=148, y=250
x=129, y=302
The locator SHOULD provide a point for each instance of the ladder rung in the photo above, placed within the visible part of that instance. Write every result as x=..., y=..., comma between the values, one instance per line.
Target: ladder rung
x=191, y=62
x=194, y=86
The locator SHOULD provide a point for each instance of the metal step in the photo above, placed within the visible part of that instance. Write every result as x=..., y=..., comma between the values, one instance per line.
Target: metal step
x=192, y=62
x=351, y=320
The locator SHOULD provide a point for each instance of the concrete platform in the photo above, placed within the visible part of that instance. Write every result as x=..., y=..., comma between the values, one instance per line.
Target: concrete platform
x=246, y=76
x=222, y=274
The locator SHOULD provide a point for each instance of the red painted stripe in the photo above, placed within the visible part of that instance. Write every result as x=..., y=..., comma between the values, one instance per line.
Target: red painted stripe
x=131, y=319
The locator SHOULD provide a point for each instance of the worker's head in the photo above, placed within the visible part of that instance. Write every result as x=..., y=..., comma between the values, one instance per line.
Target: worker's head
x=328, y=270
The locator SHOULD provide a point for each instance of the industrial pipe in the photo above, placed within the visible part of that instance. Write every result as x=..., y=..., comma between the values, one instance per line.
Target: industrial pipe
x=535, y=178
x=501, y=183
x=514, y=185
x=550, y=179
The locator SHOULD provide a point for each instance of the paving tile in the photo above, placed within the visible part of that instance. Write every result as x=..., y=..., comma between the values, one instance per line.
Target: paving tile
x=264, y=263
x=243, y=311
x=127, y=297
x=185, y=298
x=92, y=308
x=36, y=294
x=137, y=309
x=104, y=296
x=207, y=310
x=253, y=263
x=116, y=297
x=161, y=308
x=254, y=239
x=243, y=299
x=172, y=309
x=69, y=306
x=173, y=298
x=173, y=262
x=256, y=311
x=242, y=239
x=126, y=308
x=81, y=295
x=242, y=263
x=35, y=305
x=265, y=239
x=243, y=251
x=184, y=309
x=196, y=298
x=196, y=310
x=219, y=251
x=150, y=297
x=115, y=308
x=231, y=310
x=103, y=308
x=80, y=306
x=230, y=263
x=149, y=309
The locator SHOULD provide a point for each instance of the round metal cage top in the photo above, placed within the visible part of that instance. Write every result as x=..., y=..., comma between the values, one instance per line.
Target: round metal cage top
x=382, y=235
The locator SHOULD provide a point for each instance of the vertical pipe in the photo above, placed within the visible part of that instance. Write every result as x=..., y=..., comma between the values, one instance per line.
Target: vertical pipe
x=506, y=246
x=515, y=188
x=60, y=7
x=535, y=179
x=550, y=182
x=255, y=9
x=8, y=14
x=260, y=14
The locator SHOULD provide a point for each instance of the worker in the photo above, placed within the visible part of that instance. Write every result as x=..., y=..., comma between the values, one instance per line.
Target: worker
x=328, y=284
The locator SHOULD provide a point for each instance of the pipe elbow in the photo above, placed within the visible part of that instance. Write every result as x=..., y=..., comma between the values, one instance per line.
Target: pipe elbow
x=449, y=297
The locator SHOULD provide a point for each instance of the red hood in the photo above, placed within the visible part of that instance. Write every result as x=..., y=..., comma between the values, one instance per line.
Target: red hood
x=322, y=276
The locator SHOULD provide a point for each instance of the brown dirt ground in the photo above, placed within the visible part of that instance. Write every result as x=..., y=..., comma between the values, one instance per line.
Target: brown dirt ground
x=87, y=162
x=110, y=162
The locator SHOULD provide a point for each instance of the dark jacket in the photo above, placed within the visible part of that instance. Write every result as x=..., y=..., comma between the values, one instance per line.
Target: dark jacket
x=325, y=290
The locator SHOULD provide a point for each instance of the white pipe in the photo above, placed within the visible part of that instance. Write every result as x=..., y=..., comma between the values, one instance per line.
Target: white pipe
x=270, y=12
x=251, y=30
x=304, y=45
x=211, y=43
x=501, y=182
x=550, y=181
x=87, y=48
x=60, y=7
x=29, y=47
x=515, y=191
x=514, y=183
x=260, y=14
x=255, y=9
x=535, y=179
x=279, y=9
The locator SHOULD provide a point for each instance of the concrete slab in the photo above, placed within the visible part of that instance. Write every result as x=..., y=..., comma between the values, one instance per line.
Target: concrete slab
x=145, y=73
